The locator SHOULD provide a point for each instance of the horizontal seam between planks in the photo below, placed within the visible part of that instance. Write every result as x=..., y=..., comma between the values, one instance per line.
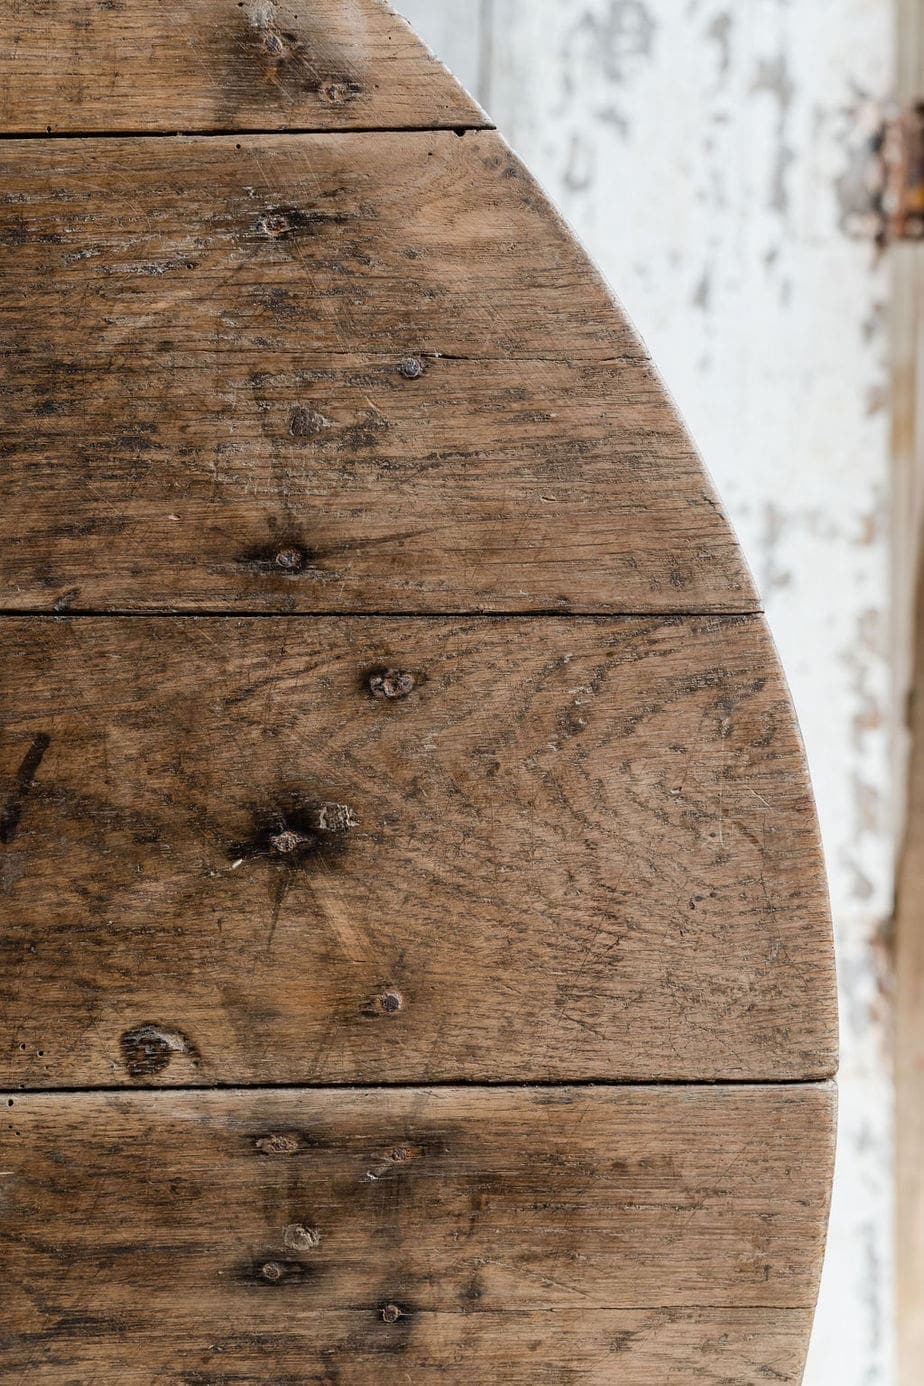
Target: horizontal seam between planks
x=456, y=128
x=206, y=614
x=446, y=1084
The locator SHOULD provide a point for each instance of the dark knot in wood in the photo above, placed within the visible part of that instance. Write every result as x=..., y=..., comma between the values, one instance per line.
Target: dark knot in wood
x=287, y=559
x=307, y=423
x=278, y=1143
x=147, y=1050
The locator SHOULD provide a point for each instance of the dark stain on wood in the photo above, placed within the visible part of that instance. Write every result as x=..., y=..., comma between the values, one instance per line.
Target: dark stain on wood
x=295, y=831
x=286, y=557
x=275, y=1271
x=11, y=813
x=285, y=223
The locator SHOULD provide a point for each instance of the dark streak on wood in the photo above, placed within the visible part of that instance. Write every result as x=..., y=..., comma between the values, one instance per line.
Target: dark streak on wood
x=24, y=780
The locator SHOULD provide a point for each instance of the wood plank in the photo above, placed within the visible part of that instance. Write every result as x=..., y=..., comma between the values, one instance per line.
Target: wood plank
x=644, y=1235
x=220, y=65
x=576, y=848
x=491, y=486
x=218, y=350
x=599, y=1347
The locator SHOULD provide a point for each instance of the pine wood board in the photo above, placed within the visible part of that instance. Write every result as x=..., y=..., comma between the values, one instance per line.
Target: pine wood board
x=642, y=1235
x=80, y=65
x=576, y=849
x=382, y=351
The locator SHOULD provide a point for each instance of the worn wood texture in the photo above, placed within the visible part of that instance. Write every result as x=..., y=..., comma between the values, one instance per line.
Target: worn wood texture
x=359, y=375
x=71, y=65
x=381, y=352
x=576, y=848
x=644, y=1236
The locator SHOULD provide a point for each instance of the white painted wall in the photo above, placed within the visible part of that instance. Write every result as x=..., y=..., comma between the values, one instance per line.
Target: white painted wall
x=709, y=154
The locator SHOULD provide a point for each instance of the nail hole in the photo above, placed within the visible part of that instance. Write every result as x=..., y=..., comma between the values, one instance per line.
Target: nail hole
x=295, y=1237
x=291, y=560
x=387, y=1003
x=391, y=684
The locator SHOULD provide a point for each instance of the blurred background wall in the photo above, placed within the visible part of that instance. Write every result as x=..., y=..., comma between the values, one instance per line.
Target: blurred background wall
x=715, y=158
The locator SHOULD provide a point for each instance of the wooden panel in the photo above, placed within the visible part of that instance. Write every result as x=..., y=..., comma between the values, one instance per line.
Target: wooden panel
x=380, y=354
x=575, y=848
x=70, y=65
x=603, y=1235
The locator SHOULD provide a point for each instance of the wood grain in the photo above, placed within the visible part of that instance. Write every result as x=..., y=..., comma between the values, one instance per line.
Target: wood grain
x=603, y=1235
x=69, y=65
x=368, y=376
x=383, y=351
x=574, y=849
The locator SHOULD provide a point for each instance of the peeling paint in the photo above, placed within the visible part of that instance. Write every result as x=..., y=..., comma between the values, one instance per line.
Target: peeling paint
x=774, y=78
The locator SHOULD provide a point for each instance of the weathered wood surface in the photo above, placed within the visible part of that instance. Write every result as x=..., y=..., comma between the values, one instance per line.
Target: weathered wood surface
x=592, y=1347
x=382, y=351
x=645, y=1236
x=366, y=374
x=575, y=848
x=76, y=65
